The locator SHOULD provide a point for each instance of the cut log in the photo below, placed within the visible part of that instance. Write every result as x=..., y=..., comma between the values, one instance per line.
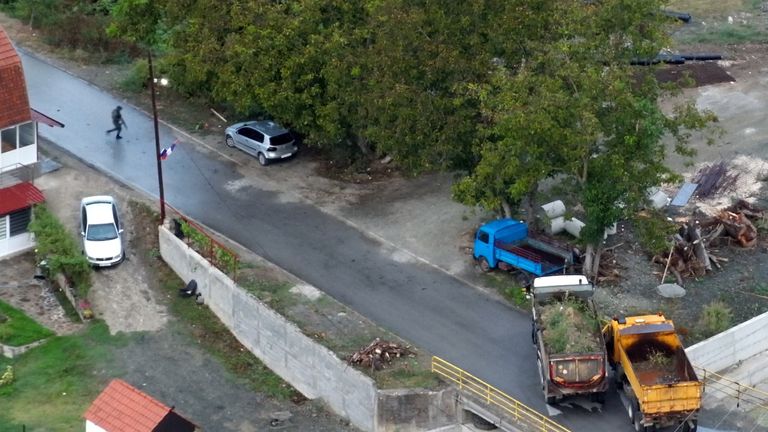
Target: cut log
x=693, y=233
x=678, y=276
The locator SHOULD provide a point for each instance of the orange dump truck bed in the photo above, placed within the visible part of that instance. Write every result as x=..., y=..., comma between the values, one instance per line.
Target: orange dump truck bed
x=653, y=371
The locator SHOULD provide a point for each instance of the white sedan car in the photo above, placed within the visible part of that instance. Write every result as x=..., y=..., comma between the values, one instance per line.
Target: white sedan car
x=101, y=231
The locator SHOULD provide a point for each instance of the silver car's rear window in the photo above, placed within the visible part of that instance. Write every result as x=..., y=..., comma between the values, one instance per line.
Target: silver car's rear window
x=281, y=139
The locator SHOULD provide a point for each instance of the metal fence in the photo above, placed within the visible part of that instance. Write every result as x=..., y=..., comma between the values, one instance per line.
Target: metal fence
x=222, y=257
x=723, y=385
x=516, y=410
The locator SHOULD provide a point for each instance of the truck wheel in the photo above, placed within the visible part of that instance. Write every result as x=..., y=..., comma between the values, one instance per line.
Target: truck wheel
x=690, y=426
x=551, y=400
x=484, y=266
x=533, y=333
x=599, y=397
x=636, y=417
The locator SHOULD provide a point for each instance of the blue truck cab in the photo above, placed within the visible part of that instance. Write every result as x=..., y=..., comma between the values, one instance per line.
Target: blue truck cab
x=505, y=243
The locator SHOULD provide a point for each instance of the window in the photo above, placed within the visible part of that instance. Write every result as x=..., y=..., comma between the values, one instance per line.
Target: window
x=482, y=236
x=19, y=220
x=26, y=134
x=258, y=136
x=281, y=139
x=8, y=140
x=246, y=132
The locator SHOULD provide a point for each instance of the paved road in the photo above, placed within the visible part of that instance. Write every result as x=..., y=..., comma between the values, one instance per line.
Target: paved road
x=423, y=305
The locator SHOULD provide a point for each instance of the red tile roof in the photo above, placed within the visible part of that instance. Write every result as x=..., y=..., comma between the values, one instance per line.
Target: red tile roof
x=122, y=408
x=14, y=103
x=19, y=196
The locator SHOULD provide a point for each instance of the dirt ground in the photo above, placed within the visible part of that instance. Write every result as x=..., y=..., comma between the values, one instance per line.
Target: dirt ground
x=129, y=301
x=418, y=219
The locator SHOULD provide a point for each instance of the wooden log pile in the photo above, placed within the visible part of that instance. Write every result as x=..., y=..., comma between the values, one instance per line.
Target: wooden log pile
x=693, y=252
x=378, y=353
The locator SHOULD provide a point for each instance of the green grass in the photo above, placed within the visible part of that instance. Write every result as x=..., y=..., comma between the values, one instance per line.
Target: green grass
x=214, y=337
x=749, y=24
x=20, y=329
x=277, y=295
x=57, y=381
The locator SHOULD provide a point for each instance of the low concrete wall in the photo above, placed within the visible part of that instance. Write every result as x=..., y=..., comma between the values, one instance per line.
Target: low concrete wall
x=731, y=346
x=14, y=351
x=416, y=409
x=308, y=366
x=311, y=368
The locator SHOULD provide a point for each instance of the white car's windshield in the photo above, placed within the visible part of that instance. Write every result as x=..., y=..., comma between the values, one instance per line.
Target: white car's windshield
x=101, y=232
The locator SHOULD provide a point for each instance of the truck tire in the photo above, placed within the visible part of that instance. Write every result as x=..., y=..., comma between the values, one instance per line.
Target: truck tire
x=599, y=397
x=690, y=426
x=533, y=334
x=636, y=417
x=484, y=266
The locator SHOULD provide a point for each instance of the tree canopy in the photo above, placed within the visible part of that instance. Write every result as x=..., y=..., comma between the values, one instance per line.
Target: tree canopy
x=508, y=92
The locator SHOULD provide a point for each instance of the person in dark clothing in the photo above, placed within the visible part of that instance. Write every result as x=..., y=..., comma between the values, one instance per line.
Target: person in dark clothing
x=118, y=121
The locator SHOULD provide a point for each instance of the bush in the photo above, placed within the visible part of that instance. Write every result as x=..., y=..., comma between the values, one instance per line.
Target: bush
x=715, y=318
x=137, y=78
x=56, y=246
x=653, y=229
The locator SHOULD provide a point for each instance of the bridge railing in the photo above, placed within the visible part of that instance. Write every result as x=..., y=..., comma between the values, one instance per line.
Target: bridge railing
x=723, y=385
x=516, y=410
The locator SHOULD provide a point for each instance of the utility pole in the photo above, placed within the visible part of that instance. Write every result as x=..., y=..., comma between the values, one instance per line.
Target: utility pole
x=157, y=138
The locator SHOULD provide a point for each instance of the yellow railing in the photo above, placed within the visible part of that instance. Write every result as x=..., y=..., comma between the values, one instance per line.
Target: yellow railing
x=742, y=393
x=518, y=411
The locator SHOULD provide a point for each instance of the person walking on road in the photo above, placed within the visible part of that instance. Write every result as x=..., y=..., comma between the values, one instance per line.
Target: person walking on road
x=118, y=121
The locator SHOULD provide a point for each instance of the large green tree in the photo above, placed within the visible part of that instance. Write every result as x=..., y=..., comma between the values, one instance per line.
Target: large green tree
x=573, y=108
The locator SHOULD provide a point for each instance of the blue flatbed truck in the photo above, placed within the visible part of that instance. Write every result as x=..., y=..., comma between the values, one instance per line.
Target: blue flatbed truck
x=505, y=243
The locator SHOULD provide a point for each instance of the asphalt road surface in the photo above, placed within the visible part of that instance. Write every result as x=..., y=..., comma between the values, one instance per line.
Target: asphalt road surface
x=421, y=304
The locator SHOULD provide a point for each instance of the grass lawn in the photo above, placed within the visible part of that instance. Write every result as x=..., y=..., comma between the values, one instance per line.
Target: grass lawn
x=57, y=381
x=711, y=23
x=20, y=329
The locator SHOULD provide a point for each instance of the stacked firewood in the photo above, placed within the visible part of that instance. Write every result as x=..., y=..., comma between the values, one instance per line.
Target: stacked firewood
x=737, y=219
x=692, y=253
x=378, y=353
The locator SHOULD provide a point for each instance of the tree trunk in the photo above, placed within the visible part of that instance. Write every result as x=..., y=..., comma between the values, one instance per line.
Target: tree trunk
x=589, y=256
x=530, y=215
x=595, y=270
x=363, y=144
x=506, y=208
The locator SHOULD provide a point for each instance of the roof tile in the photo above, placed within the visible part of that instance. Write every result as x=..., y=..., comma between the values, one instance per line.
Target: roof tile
x=122, y=408
x=14, y=103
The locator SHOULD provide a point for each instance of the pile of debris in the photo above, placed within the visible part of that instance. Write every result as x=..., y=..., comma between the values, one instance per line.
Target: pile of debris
x=378, y=353
x=692, y=253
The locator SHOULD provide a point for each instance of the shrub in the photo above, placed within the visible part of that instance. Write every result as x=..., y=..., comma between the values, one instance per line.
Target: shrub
x=715, y=318
x=59, y=249
x=137, y=78
x=652, y=230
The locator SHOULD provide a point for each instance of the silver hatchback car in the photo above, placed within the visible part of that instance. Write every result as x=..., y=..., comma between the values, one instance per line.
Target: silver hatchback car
x=265, y=140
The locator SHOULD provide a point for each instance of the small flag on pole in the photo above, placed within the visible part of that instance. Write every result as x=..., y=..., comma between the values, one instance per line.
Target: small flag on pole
x=164, y=153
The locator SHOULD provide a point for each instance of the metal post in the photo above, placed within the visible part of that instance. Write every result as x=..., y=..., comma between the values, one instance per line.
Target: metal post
x=157, y=138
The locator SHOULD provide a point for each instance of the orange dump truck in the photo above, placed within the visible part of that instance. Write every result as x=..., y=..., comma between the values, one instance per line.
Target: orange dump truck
x=657, y=383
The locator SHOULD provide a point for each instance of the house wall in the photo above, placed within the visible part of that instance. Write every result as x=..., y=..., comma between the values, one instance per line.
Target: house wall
x=15, y=244
x=92, y=427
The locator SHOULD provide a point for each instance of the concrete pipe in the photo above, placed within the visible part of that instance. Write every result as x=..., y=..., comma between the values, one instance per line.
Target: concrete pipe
x=574, y=226
x=554, y=209
x=556, y=225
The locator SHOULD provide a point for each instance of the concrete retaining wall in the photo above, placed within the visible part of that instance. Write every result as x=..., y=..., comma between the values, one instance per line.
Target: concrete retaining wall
x=731, y=346
x=311, y=368
x=416, y=409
